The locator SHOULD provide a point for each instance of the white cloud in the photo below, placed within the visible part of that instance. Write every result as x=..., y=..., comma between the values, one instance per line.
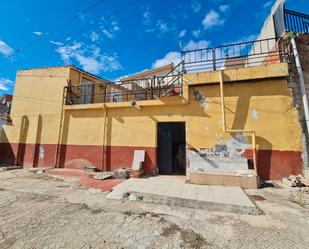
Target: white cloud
x=68, y=51
x=150, y=30
x=171, y=57
x=3, y=87
x=89, y=57
x=182, y=33
x=192, y=45
x=162, y=27
x=115, y=26
x=196, y=33
x=268, y=4
x=38, y=33
x=5, y=49
x=196, y=6
x=57, y=43
x=94, y=36
x=129, y=75
x=245, y=39
x=224, y=7
x=5, y=84
x=212, y=19
x=111, y=31
x=147, y=17
x=108, y=34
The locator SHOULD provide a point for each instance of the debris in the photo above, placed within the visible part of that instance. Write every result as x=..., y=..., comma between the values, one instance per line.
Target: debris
x=40, y=171
x=90, y=168
x=136, y=174
x=5, y=168
x=132, y=197
x=104, y=175
x=295, y=181
x=122, y=173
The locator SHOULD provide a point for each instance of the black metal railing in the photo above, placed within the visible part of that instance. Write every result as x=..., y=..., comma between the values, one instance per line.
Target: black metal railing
x=127, y=90
x=296, y=22
x=251, y=53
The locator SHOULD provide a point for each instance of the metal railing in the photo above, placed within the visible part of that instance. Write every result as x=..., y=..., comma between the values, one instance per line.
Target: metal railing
x=127, y=90
x=296, y=22
x=251, y=53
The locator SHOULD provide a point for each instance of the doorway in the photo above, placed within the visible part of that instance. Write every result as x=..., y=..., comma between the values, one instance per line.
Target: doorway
x=171, y=148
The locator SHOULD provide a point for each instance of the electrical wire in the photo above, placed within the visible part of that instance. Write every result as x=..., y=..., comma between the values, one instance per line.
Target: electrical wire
x=57, y=27
x=44, y=51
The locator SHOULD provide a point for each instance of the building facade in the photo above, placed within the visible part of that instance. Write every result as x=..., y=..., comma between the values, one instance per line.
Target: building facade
x=220, y=110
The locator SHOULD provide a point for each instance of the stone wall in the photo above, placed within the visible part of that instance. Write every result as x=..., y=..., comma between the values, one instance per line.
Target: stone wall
x=302, y=43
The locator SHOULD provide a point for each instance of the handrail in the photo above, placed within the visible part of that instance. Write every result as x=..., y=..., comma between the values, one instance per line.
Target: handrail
x=296, y=22
x=172, y=70
x=247, y=53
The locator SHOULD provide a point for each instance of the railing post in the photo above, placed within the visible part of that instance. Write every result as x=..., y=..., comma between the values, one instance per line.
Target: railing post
x=183, y=69
x=151, y=86
x=214, y=58
x=159, y=87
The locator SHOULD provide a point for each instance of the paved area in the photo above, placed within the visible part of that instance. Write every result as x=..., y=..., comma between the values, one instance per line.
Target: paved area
x=39, y=211
x=85, y=179
x=174, y=191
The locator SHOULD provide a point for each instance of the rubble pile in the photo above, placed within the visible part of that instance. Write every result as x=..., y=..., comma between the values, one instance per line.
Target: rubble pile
x=296, y=181
x=122, y=173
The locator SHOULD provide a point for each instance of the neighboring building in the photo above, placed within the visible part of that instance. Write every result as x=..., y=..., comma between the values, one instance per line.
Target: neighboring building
x=190, y=120
x=5, y=108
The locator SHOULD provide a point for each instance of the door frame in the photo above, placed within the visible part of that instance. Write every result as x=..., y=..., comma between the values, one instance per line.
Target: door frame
x=157, y=141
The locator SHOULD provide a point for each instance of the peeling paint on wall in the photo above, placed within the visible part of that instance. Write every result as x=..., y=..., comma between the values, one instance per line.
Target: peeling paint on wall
x=200, y=98
x=254, y=114
x=226, y=155
x=41, y=152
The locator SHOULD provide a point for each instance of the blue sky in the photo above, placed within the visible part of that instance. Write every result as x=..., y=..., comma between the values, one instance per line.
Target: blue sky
x=112, y=43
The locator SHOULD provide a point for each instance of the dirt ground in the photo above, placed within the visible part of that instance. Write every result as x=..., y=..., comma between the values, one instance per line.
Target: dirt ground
x=39, y=211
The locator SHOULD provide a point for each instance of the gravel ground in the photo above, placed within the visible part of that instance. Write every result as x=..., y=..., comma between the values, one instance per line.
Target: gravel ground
x=39, y=211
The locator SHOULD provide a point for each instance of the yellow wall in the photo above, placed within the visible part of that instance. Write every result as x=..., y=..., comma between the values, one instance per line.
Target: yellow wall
x=263, y=104
x=265, y=107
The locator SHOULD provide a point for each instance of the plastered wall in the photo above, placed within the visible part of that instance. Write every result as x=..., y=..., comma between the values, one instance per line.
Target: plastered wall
x=106, y=135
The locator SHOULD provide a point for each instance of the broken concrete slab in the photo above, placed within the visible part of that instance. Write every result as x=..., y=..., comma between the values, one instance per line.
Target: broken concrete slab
x=104, y=175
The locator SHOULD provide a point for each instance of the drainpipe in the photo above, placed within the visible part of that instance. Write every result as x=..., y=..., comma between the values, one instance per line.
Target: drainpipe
x=104, y=144
x=252, y=132
x=60, y=131
x=302, y=82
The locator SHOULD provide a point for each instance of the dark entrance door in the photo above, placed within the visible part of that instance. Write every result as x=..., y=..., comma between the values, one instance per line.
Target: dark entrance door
x=172, y=148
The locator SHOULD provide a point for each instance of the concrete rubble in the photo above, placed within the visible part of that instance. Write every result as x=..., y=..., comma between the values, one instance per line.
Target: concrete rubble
x=296, y=181
x=122, y=173
x=5, y=168
x=104, y=175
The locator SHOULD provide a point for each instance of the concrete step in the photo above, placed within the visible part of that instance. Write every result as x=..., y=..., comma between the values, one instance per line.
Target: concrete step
x=190, y=203
x=169, y=190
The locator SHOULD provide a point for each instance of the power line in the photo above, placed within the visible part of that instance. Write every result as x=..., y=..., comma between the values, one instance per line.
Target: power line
x=57, y=27
x=43, y=51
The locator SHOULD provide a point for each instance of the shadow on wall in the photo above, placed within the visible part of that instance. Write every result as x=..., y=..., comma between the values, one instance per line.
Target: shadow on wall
x=37, y=142
x=8, y=151
x=80, y=155
x=14, y=153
